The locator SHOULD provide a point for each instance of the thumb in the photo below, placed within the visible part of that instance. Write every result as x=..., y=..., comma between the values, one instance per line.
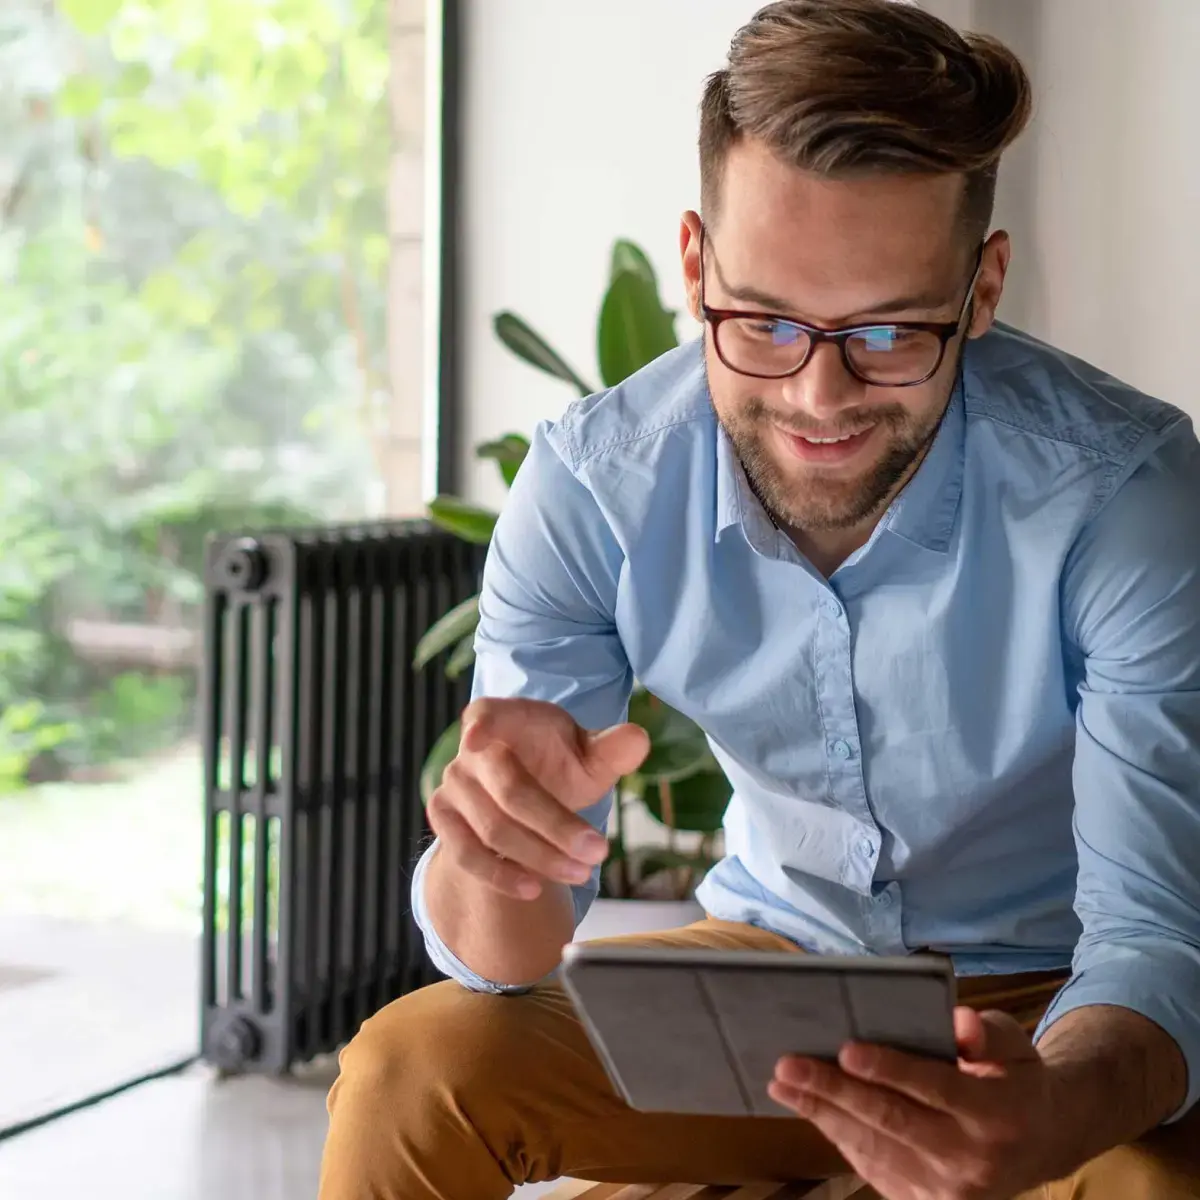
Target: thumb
x=991, y=1036
x=614, y=752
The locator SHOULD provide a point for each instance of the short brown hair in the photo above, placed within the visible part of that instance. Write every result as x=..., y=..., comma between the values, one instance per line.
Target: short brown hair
x=849, y=87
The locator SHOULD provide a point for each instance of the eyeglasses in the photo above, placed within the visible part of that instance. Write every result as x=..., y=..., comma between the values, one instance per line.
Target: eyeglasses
x=767, y=346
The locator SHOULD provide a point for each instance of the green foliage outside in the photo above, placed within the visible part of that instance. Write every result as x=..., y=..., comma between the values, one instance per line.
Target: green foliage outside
x=192, y=293
x=680, y=783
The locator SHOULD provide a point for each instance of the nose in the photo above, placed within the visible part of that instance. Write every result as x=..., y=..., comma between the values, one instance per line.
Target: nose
x=824, y=387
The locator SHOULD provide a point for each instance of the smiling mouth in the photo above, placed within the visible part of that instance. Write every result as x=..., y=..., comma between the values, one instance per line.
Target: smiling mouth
x=827, y=450
x=830, y=441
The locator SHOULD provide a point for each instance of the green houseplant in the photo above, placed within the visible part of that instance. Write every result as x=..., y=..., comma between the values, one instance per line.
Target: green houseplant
x=680, y=784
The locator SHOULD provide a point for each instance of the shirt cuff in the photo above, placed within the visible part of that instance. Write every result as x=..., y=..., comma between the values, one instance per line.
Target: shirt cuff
x=1157, y=989
x=443, y=957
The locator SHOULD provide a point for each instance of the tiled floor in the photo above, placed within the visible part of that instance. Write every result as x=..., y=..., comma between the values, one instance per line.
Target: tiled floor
x=189, y=1137
x=196, y=1137
x=86, y=1006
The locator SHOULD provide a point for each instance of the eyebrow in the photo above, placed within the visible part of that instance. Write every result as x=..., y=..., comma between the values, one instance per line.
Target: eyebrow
x=773, y=304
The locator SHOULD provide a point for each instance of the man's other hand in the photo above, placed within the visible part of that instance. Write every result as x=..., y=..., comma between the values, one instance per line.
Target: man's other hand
x=506, y=811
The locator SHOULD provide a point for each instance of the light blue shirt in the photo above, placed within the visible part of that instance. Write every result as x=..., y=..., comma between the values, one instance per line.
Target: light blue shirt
x=980, y=736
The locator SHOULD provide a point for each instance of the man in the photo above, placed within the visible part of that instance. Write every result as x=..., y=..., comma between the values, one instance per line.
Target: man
x=930, y=587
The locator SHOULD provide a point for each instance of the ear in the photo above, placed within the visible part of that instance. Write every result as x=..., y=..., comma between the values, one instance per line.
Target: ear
x=989, y=287
x=690, y=226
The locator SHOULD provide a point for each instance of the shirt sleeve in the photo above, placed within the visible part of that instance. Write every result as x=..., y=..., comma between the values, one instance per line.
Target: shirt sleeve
x=546, y=632
x=1131, y=607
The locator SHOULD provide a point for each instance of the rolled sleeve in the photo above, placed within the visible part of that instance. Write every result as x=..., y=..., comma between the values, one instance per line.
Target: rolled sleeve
x=546, y=632
x=1148, y=976
x=442, y=956
x=1131, y=601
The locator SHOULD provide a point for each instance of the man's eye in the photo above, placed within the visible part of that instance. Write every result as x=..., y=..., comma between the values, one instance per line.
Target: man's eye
x=886, y=338
x=781, y=333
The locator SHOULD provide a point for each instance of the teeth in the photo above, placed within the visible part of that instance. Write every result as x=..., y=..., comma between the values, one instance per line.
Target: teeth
x=830, y=441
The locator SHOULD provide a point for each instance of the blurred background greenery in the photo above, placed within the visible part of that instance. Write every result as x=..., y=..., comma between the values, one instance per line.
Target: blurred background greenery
x=192, y=293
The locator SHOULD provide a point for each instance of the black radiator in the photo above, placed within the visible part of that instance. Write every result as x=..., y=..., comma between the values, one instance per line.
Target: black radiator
x=315, y=728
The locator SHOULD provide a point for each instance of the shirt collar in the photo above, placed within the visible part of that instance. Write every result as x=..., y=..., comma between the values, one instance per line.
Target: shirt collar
x=925, y=510
x=736, y=502
x=923, y=513
x=730, y=480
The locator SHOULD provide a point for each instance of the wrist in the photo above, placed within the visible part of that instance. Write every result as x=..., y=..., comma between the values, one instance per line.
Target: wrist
x=1081, y=1116
x=1071, y=1119
x=511, y=942
x=1110, y=1076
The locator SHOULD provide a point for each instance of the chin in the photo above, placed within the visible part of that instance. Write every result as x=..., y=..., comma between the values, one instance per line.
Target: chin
x=812, y=500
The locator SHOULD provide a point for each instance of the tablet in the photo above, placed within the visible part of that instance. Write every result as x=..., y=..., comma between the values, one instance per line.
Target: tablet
x=700, y=1031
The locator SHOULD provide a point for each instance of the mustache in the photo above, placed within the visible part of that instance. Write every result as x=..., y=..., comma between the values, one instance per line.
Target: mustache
x=848, y=422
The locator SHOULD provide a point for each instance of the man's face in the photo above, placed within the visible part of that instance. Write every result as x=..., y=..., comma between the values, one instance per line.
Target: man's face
x=831, y=254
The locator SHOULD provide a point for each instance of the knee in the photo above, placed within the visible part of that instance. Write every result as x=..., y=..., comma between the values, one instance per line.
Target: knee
x=439, y=1042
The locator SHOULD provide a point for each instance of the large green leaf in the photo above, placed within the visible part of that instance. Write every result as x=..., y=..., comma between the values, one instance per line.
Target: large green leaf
x=534, y=349
x=678, y=746
x=462, y=658
x=507, y=452
x=627, y=256
x=698, y=802
x=462, y=519
x=444, y=751
x=634, y=327
x=448, y=630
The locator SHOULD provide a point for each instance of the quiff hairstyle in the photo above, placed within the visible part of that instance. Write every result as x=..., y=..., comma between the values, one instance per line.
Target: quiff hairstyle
x=848, y=88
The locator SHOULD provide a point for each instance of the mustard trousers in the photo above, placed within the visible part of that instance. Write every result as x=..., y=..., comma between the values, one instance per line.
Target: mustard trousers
x=447, y=1094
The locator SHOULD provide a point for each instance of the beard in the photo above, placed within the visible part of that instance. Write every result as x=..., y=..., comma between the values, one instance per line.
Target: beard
x=810, y=499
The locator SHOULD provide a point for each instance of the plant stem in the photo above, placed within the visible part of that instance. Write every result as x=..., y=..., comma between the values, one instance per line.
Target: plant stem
x=619, y=841
x=668, y=811
x=704, y=855
x=681, y=875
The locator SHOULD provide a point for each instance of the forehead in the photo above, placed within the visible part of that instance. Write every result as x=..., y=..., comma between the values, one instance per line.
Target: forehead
x=832, y=247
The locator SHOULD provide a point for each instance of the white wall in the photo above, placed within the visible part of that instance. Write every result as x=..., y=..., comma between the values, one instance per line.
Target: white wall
x=580, y=124
x=1102, y=195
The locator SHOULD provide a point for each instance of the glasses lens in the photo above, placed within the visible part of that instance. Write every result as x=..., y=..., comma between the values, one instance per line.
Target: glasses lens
x=761, y=347
x=892, y=357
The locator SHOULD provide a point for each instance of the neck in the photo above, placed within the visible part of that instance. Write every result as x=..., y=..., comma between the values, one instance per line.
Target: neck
x=827, y=549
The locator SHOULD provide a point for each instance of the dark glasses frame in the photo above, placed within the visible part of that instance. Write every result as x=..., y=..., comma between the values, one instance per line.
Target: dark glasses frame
x=944, y=330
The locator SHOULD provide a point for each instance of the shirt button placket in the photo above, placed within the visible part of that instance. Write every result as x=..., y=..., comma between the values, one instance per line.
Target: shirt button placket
x=836, y=680
x=884, y=921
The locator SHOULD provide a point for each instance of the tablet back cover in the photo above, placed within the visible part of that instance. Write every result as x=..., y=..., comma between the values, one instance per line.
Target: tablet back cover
x=706, y=1040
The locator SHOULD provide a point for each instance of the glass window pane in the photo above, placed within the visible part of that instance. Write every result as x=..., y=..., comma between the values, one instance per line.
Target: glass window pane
x=211, y=233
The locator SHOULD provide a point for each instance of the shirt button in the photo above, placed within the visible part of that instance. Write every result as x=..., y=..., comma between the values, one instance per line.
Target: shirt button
x=866, y=847
x=841, y=749
x=833, y=608
x=884, y=899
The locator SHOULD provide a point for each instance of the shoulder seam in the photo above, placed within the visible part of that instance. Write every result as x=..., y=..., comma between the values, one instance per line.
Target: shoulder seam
x=1044, y=435
x=563, y=426
x=629, y=439
x=1143, y=430
x=1121, y=471
x=1118, y=467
